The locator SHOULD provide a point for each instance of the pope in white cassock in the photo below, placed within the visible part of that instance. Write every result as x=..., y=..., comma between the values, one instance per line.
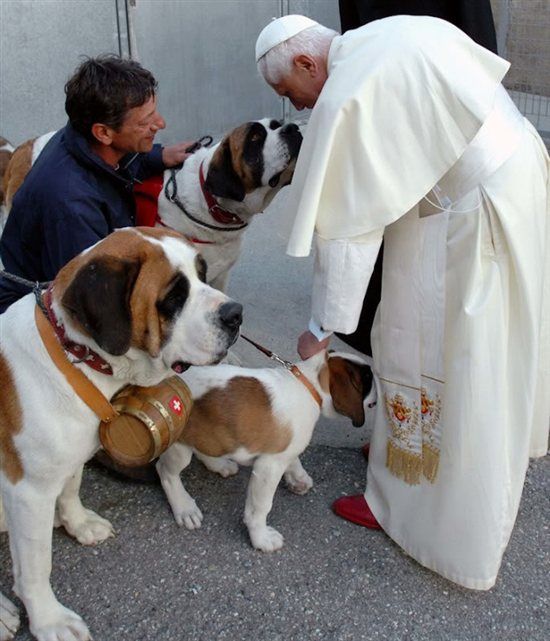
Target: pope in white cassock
x=413, y=139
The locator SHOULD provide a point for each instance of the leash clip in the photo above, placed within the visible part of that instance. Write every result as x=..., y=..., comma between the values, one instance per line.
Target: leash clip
x=286, y=364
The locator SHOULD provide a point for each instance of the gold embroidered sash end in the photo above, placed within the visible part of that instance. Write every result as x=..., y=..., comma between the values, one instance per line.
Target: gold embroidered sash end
x=404, y=464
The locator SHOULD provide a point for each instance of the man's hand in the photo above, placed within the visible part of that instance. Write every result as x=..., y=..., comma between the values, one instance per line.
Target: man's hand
x=308, y=345
x=176, y=154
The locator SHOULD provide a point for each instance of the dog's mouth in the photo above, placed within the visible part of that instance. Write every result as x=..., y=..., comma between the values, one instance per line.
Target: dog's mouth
x=180, y=366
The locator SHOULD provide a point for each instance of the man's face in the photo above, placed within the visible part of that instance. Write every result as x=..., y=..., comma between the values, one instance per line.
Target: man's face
x=301, y=87
x=138, y=129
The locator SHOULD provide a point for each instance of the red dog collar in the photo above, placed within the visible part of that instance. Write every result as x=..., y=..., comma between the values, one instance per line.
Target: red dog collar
x=82, y=352
x=219, y=214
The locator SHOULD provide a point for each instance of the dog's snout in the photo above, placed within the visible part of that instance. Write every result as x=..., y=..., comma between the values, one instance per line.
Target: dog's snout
x=231, y=315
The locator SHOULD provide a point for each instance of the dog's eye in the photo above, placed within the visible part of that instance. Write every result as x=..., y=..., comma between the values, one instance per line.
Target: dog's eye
x=255, y=137
x=274, y=180
x=175, y=299
x=201, y=267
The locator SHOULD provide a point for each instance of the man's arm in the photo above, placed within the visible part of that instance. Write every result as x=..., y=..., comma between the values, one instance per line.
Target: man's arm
x=77, y=225
x=341, y=275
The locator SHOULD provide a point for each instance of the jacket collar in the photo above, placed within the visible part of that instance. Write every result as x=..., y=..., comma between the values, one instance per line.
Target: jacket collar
x=79, y=147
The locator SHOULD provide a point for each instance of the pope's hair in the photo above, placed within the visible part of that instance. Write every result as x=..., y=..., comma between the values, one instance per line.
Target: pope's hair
x=277, y=62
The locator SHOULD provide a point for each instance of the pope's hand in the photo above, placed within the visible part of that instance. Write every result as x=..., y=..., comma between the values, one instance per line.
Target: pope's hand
x=308, y=345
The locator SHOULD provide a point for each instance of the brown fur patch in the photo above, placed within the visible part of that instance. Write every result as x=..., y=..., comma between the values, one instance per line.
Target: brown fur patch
x=10, y=424
x=18, y=166
x=155, y=274
x=237, y=415
x=236, y=141
x=324, y=379
x=346, y=389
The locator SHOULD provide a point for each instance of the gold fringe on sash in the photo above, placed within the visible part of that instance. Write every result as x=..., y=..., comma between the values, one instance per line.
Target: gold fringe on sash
x=430, y=462
x=404, y=464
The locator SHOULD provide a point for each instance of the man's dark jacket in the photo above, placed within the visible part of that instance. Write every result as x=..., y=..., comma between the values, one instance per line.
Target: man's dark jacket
x=69, y=200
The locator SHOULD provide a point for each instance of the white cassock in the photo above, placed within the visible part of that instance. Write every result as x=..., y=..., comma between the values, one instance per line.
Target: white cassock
x=414, y=139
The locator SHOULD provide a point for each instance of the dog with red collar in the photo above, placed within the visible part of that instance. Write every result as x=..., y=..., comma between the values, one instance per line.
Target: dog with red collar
x=213, y=197
x=131, y=310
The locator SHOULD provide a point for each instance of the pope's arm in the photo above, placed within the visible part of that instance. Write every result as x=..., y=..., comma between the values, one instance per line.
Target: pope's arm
x=343, y=268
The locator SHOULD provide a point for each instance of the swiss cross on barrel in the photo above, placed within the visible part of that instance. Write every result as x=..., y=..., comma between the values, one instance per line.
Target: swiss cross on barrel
x=176, y=405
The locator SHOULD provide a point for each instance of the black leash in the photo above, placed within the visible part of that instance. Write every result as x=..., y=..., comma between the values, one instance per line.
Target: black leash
x=268, y=353
x=36, y=286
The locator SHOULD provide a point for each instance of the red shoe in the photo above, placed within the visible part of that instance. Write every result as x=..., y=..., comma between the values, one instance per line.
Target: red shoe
x=365, y=449
x=356, y=510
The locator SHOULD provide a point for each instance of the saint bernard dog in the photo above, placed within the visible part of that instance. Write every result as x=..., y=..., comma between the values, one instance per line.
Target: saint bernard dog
x=136, y=303
x=212, y=198
x=262, y=417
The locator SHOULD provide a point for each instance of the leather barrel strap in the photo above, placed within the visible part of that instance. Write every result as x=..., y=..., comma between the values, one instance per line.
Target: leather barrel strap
x=81, y=384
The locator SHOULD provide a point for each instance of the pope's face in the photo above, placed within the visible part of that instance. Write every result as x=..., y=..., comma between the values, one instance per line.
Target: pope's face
x=301, y=86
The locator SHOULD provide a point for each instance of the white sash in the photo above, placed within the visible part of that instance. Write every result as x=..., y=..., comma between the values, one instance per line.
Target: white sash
x=410, y=362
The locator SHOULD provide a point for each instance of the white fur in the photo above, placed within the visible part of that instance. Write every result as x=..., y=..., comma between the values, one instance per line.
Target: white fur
x=40, y=143
x=293, y=405
x=60, y=433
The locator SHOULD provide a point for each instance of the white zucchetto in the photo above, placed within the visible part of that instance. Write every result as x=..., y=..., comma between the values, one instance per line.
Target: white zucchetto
x=279, y=30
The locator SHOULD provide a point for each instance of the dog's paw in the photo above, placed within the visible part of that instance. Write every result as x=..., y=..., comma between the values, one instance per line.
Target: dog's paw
x=9, y=619
x=93, y=529
x=189, y=515
x=66, y=625
x=267, y=539
x=299, y=484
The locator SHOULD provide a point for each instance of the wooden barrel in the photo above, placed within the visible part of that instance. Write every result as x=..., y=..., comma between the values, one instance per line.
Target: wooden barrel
x=150, y=420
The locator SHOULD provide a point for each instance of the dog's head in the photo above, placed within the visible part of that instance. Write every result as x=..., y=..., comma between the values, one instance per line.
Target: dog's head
x=253, y=162
x=141, y=293
x=348, y=380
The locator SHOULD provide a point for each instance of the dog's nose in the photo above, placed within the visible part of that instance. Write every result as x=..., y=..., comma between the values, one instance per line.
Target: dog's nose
x=290, y=129
x=231, y=315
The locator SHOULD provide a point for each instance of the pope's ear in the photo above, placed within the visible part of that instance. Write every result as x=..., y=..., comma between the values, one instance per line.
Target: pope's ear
x=305, y=62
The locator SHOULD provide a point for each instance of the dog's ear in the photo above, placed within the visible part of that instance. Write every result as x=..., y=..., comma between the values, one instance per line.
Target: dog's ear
x=349, y=384
x=98, y=299
x=222, y=180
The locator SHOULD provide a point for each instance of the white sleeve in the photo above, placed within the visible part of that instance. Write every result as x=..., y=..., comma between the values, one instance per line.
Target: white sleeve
x=342, y=271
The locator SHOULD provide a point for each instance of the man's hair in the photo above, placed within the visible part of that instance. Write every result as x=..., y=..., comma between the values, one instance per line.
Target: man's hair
x=277, y=62
x=103, y=89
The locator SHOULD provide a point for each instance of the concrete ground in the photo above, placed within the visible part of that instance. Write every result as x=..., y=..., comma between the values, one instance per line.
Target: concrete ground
x=332, y=581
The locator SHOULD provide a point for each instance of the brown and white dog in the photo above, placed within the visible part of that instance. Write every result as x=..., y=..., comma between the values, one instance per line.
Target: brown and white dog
x=241, y=176
x=139, y=301
x=265, y=418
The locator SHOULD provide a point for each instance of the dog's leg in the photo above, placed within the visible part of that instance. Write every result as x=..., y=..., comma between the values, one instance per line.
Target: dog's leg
x=169, y=466
x=86, y=526
x=30, y=514
x=9, y=619
x=264, y=479
x=297, y=479
x=220, y=464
